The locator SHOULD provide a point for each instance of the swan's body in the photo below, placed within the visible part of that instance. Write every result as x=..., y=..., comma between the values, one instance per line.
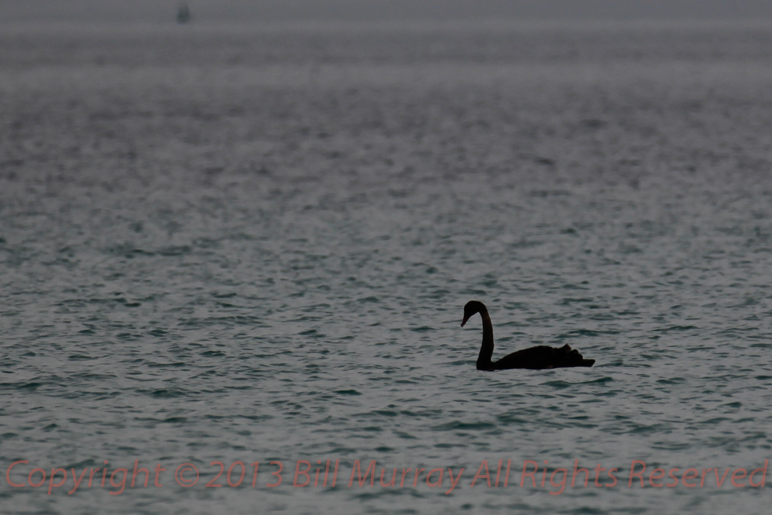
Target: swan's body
x=534, y=358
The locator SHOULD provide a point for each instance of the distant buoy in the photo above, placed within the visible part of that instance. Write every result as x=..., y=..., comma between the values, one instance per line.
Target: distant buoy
x=183, y=13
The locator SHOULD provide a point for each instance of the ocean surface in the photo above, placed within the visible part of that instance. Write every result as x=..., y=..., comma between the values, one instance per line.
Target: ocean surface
x=223, y=245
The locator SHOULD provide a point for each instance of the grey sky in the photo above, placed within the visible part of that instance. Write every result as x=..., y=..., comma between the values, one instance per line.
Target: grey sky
x=18, y=11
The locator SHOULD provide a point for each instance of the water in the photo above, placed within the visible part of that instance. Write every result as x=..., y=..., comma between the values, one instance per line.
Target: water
x=229, y=244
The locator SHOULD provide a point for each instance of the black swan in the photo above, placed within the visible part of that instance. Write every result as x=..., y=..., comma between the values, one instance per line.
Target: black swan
x=534, y=358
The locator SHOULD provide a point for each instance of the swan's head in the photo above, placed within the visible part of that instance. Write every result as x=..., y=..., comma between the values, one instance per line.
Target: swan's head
x=472, y=308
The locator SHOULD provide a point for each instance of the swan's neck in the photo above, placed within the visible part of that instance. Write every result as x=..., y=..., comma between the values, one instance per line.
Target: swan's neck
x=486, y=351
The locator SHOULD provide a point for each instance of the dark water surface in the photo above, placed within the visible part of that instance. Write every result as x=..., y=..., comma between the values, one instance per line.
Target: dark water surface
x=252, y=244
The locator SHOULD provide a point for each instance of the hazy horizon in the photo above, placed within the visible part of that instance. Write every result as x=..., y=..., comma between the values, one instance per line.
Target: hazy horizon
x=269, y=11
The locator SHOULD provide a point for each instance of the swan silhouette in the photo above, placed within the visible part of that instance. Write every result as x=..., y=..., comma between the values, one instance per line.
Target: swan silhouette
x=536, y=358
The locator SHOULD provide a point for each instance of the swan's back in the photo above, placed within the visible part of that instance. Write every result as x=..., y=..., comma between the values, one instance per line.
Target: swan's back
x=543, y=357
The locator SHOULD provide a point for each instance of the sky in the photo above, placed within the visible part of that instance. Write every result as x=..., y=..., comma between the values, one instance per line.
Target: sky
x=150, y=11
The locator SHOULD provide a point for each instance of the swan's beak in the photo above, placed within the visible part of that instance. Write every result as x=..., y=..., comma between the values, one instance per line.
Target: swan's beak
x=464, y=321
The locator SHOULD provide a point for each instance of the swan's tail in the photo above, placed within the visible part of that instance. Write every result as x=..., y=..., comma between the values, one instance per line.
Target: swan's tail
x=572, y=358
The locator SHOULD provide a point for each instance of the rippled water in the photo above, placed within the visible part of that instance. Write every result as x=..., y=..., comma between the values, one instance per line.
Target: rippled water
x=238, y=245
